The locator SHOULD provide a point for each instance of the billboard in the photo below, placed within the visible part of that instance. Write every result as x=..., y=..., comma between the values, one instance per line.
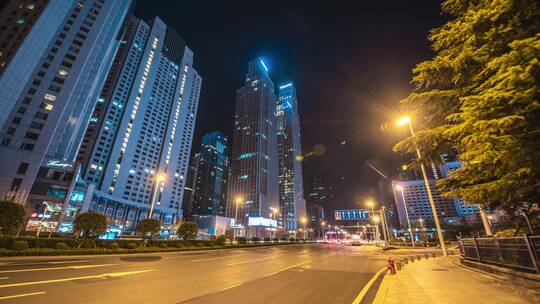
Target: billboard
x=262, y=222
x=351, y=215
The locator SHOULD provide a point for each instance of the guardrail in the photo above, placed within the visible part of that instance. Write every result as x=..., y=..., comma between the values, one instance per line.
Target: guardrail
x=512, y=252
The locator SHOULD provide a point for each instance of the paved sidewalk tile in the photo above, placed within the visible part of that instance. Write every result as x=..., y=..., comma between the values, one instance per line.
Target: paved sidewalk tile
x=443, y=280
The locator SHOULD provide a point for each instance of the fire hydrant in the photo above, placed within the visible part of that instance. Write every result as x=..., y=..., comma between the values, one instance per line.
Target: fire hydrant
x=391, y=266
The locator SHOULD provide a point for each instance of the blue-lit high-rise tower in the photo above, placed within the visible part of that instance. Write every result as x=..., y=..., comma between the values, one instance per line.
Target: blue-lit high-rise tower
x=254, y=162
x=49, y=87
x=212, y=172
x=142, y=127
x=291, y=190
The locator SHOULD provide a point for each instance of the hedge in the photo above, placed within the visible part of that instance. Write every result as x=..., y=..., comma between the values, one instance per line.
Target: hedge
x=11, y=246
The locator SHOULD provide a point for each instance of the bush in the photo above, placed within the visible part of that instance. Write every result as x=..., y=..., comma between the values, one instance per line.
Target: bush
x=12, y=217
x=179, y=244
x=255, y=239
x=131, y=246
x=188, y=230
x=241, y=240
x=90, y=224
x=114, y=245
x=148, y=227
x=20, y=245
x=163, y=245
x=86, y=243
x=220, y=240
x=61, y=246
x=267, y=240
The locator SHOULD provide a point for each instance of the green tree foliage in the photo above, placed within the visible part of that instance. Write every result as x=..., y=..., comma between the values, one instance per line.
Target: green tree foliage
x=12, y=217
x=188, y=230
x=148, y=227
x=479, y=96
x=90, y=224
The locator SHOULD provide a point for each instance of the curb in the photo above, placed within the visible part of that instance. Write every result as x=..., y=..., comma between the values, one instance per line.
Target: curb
x=513, y=274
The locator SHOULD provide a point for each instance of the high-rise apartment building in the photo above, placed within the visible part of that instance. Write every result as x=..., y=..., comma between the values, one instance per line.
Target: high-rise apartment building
x=254, y=162
x=16, y=20
x=292, y=204
x=50, y=85
x=139, y=138
x=213, y=169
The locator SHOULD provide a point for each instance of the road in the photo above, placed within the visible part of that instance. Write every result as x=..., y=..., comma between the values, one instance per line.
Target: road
x=311, y=273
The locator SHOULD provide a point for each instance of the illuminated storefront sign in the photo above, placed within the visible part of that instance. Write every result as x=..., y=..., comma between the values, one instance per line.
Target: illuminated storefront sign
x=261, y=221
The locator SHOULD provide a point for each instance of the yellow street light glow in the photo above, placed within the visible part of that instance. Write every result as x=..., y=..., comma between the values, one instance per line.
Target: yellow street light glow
x=304, y=220
x=399, y=187
x=238, y=200
x=370, y=203
x=403, y=121
x=376, y=219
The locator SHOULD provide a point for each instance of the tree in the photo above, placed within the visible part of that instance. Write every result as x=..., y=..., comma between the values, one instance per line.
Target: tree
x=479, y=96
x=12, y=217
x=90, y=224
x=148, y=227
x=188, y=230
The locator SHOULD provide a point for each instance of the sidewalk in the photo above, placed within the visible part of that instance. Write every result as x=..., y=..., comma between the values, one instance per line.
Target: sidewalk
x=440, y=280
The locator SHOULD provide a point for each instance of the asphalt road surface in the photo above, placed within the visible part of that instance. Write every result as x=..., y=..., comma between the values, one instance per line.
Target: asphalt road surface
x=311, y=273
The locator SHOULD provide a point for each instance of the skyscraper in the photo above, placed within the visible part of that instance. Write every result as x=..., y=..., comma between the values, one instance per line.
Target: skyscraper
x=51, y=83
x=142, y=126
x=254, y=162
x=17, y=19
x=213, y=169
x=291, y=190
x=189, y=188
x=318, y=197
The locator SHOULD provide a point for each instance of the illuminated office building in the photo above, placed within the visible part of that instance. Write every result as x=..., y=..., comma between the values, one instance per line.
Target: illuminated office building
x=291, y=190
x=254, y=163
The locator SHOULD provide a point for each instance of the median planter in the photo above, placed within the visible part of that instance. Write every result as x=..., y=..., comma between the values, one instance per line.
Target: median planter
x=73, y=246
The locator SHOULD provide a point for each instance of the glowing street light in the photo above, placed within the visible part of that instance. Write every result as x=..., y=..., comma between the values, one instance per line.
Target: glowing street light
x=159, y=178
x=401, y=122
x=304, y=221
x=237, y=201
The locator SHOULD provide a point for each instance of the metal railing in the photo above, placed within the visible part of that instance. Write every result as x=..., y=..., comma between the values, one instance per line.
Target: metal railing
x=512, y=252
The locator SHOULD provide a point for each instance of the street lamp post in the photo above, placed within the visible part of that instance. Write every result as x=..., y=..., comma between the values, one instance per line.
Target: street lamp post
x=237, y=202
x=377, y=236
x=159, y=178
x=422, y=232
x=42, y=219
x=407, y=120
x=304, y=220
x=400, y=188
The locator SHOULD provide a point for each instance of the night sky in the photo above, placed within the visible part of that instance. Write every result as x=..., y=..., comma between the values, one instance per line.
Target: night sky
x=351, y=64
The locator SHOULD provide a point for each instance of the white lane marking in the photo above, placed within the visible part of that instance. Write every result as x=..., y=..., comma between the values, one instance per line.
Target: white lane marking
x=216, y=258
x=230, y=287
x=56, y=268
x=23, y=295
x=98, y=276
x=286, y=268
x=250, y=261
x=41, y=263
x=364, y=290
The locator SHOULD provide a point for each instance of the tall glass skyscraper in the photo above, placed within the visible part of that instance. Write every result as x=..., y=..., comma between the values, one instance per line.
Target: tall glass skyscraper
x=254, y=163
x=291, y=190
x=50, y=85
x=212, y=173
x=142, y=126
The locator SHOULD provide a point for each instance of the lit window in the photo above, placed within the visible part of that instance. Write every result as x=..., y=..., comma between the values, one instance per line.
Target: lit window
x=63, y=72
x=50, y=97
x=20, y=21
x=47, y=106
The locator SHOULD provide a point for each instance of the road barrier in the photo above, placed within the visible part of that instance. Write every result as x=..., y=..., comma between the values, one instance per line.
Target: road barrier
x=512, y=252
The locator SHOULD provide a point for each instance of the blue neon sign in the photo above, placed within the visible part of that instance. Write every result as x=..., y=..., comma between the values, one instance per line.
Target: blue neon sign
x=353, y=214
x=264, y=65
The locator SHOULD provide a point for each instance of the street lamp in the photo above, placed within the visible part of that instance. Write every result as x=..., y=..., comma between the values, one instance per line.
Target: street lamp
x=237, y=202
x=159, y=177
x=376, y=219
x=400, y=188
x=322, y=229
x=422, y=232
x=43, y=218
x=403, y=121
x=304, y=221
